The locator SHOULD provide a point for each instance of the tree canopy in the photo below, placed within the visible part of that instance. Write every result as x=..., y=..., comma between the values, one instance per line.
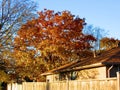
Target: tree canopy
x=108, y=43
x=13, y=13
x=53, y=39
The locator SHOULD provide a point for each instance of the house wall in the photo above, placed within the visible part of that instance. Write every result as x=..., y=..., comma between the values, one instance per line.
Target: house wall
x=93, y=73
x=52, y=78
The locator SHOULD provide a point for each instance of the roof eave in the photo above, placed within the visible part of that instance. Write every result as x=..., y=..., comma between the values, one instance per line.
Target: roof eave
x=80, y=68
x=89, y=66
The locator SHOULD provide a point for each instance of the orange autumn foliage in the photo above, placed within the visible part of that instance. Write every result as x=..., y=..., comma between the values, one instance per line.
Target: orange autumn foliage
x=108, y=43
x=54, y=37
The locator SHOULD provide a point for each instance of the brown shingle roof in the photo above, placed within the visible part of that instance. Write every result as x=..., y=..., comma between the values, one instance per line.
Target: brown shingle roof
x=108, y=57
x=61, y=67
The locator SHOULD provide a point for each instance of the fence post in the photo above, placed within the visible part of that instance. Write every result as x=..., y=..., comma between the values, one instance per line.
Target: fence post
x=47, y=85
x=67, y=83
x=118, y=80
x=9, y=86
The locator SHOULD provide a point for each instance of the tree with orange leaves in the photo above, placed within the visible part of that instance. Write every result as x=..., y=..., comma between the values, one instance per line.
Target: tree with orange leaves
x=108, y=43
x=55, y=38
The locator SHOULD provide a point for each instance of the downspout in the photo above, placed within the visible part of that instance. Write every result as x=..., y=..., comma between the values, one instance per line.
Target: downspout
x=109, y=71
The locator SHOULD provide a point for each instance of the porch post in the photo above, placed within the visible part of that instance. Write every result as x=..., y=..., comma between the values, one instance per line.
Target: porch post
x=118, y=80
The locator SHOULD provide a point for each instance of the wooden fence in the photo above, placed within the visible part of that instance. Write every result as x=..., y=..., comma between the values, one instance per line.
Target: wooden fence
x=27, y=86
x=101, y=84
x=94, y=84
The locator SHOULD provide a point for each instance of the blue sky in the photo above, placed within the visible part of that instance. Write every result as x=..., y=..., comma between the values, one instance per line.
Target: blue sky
x=100, y=13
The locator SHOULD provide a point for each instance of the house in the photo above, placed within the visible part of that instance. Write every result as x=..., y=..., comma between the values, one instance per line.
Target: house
x=104, y=65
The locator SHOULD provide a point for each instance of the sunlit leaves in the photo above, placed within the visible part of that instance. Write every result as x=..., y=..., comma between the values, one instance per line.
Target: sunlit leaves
x=3, y=76
x=108, y=43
